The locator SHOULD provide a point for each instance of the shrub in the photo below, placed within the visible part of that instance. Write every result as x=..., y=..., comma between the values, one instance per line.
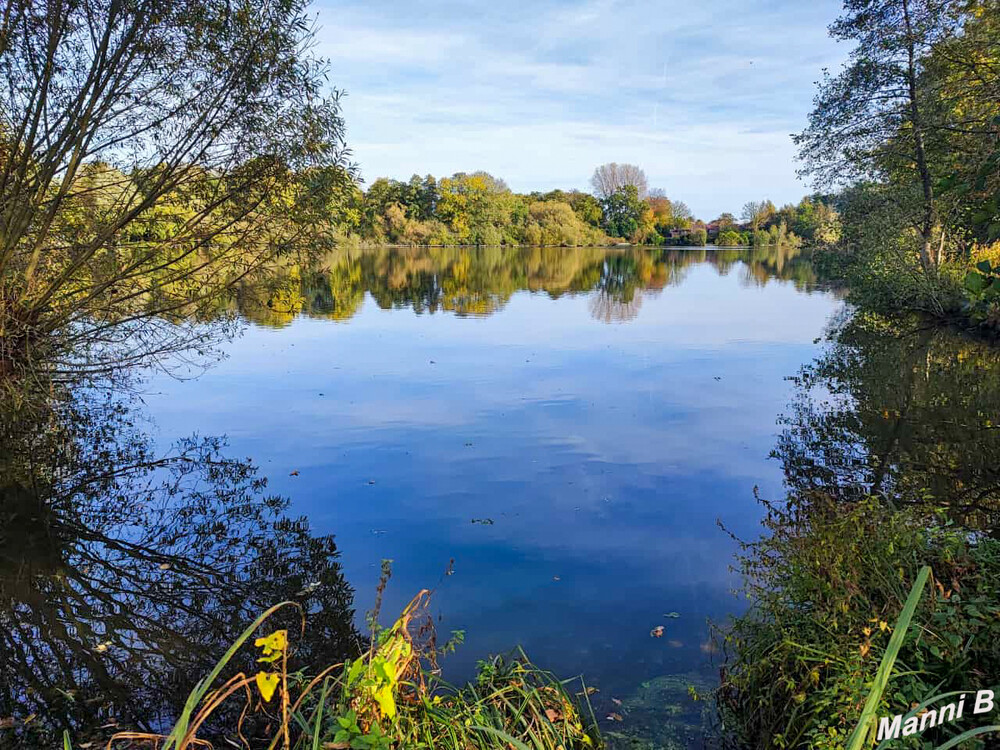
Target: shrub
x=828, y=581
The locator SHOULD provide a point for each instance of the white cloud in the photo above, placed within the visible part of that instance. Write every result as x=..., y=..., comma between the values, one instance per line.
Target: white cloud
x=703, y=96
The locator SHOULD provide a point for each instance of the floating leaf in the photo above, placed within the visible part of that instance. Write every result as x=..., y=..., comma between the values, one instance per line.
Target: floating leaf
x=657, y=632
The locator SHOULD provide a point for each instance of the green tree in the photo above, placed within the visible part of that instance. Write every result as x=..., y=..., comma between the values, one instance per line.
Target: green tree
x=872, y=120
x=623, y=212
x=587, y=207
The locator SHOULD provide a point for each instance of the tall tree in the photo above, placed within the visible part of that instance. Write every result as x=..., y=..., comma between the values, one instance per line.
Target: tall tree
x=871, y=121
x=152, y=152
x=610, y=178
x=755, y=213
x=623, y=212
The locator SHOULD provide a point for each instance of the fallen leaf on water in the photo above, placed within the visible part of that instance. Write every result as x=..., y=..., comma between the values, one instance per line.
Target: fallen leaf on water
x=615, y=717
x=553, y=715
x=556, y=578
x=657, y=632
x=616, y=701
x=294, y=473
x=164, y=566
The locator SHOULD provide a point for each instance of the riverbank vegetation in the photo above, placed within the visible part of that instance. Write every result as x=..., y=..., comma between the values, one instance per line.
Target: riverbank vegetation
x=890, y=454
x=894, y=468
x=387, y=697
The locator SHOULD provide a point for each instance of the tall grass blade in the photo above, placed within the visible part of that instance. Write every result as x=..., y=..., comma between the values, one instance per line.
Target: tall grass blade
x=867, y=720
x=319, y=715
x=179, y=732
x=517, y=744
x=966, y=735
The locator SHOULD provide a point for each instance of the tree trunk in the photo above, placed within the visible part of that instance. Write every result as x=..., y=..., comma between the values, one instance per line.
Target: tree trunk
x=929, y=218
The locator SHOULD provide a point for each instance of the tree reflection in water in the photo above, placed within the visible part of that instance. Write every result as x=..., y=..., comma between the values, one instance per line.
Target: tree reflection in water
x=901, y=410
x=482, y=280
x=125, y=575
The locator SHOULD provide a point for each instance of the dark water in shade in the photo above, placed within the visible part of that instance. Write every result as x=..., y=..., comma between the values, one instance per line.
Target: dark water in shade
x=566, y=425
x=571, y=454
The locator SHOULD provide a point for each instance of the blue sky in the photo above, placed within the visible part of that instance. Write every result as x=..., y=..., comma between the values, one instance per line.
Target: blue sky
x=702, y=94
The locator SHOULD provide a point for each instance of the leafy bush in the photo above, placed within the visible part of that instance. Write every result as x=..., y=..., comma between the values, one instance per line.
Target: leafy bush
x=828, y=581
x=983, y=286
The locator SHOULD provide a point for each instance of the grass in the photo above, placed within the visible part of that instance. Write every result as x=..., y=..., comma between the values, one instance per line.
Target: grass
x=840, y=604
x=866, y=724
x=390, y=697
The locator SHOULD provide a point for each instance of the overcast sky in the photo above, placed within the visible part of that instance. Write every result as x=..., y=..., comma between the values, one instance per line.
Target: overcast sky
x=702, y=94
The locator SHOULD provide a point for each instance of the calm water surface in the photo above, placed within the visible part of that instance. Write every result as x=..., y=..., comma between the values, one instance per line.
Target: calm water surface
x=546, y=438
x=570, y=451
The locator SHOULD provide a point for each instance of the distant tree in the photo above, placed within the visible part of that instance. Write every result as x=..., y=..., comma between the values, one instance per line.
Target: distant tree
x=610, y=178
x=729, y=238
x=726, y=221
x=682, y=213
x=623, y=212
x=662, y=208
x=756, y=213
x=587, y=207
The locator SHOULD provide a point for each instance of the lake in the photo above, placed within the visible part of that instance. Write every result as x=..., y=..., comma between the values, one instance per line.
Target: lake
x=547, y=438
x=571, y=451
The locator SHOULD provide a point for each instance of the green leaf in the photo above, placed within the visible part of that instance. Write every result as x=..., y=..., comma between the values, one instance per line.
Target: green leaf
x=966, y=735
x=355, y=671
x=975, y=282
x=984, y=266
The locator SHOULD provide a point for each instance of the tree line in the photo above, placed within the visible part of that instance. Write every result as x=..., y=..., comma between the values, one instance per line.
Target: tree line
x=480, y=209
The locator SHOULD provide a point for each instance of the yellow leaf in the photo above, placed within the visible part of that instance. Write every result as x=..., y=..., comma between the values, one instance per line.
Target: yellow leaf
x=385, y=701
x=267, y=683
x=276, y=642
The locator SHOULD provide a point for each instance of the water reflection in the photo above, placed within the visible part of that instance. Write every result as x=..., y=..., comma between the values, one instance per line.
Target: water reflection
x=902, y=410
x=124, y=574
x=126, y=569
x=480, y=281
